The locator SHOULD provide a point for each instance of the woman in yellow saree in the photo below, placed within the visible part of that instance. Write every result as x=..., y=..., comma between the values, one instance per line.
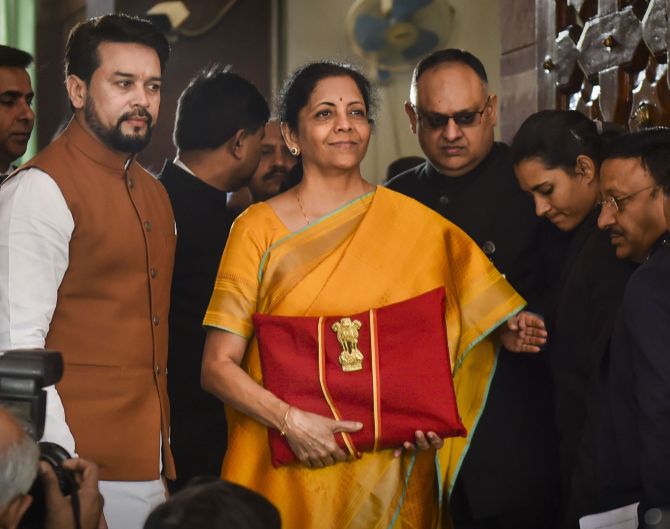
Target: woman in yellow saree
x=336, y=245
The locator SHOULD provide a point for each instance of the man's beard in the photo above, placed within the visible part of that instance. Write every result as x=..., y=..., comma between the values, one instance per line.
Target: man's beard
x=113, y=137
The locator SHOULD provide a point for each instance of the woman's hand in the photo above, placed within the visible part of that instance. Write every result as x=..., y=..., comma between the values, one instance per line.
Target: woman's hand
x=523, y=333
x=312, y=437
x=423, y=441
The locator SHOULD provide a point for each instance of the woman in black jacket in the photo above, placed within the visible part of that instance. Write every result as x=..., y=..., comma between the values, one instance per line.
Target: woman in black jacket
x=556, y=156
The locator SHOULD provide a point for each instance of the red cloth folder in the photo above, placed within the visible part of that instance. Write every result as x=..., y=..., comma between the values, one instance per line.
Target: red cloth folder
x=404, y=382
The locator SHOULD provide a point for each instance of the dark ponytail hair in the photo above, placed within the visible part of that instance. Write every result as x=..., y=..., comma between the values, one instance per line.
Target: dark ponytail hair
x=557, y=138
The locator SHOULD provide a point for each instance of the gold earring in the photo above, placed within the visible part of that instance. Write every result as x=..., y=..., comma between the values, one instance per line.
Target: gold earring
x=295, y=151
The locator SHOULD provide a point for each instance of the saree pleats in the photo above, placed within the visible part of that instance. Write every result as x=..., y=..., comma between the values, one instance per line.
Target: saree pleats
x=379, y=249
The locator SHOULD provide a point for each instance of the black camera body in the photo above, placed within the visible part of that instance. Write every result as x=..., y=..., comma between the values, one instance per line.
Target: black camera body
x=24, y=373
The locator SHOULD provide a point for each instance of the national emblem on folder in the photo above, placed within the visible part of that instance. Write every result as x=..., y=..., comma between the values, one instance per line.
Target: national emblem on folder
x=388, y=368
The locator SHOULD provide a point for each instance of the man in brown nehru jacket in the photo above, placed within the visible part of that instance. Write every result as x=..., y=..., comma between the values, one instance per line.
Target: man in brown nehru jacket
x=87, y=242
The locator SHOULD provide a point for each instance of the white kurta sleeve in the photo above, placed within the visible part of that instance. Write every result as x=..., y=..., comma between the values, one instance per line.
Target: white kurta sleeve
x=35, y=230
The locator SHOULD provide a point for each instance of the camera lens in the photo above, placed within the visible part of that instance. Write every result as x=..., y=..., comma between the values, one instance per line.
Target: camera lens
x=56, y=455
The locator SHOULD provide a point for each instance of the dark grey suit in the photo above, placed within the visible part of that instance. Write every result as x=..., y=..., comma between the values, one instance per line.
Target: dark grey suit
x=633, y=443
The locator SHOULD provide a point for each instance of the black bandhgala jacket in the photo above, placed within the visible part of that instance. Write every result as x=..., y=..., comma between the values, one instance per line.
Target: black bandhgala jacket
x=512, y=461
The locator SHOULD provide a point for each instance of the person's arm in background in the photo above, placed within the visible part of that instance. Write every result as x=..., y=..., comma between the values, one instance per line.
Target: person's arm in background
x=35, y=230
x=523, y=333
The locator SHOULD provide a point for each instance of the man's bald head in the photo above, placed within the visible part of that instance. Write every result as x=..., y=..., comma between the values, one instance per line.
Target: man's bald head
x=447, y=56
x=451, y=111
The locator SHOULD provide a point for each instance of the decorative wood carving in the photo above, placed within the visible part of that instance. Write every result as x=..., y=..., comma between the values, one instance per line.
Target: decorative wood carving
x=651, y=98
x=654, y=26
x=609, y=41
x=568, y=74
x=606, y=58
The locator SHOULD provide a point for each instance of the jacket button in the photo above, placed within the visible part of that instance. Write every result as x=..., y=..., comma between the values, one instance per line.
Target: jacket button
x=157, y=369
x=153, y=272
x=489, y=248
x=156, y=320
x=444, y=200
x=131, y=183
x=147, y=225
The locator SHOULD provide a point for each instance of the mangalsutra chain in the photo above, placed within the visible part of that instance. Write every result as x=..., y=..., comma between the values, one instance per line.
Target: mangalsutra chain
x=297, y=196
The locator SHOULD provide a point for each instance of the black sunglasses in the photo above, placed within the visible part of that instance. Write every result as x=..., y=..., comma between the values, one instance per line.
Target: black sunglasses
x=467, y=118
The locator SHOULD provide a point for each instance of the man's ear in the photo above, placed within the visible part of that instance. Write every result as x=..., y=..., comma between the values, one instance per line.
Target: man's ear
x=15, y=510
x=411, y=114
x=493, y=103
x=238, y=144
x=77, y=91
x=585, y=168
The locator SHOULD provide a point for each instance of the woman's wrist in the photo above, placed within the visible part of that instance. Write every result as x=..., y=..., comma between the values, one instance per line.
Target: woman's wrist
x=283, y=426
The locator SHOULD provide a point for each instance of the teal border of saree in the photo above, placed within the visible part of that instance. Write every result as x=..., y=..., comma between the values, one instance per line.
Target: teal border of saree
x=266, y=255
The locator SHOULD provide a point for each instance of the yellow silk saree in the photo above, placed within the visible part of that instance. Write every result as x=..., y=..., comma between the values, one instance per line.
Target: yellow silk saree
x=379, y=249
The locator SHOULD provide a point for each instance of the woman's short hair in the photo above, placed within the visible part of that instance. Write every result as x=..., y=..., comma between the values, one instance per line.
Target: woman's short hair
x=557, y=138
x=298, y=88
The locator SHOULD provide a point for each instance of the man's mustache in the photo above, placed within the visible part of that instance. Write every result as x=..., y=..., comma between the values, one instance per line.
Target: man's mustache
x=139, y=113
x=276, y=171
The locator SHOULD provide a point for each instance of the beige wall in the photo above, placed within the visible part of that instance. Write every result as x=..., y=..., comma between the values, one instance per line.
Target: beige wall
x=316, y=29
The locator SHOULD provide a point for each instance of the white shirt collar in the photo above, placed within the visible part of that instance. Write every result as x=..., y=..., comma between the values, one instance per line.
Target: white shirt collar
x=182, y=165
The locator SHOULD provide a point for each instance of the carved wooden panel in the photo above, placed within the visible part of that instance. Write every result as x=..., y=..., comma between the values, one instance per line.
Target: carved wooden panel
x=607, y=59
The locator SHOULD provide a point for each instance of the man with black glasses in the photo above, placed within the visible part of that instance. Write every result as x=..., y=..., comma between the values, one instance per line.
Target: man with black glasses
x=509, y=476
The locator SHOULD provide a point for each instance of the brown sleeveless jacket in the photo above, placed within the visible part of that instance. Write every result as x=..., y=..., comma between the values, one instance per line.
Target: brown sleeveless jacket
x=111, y=316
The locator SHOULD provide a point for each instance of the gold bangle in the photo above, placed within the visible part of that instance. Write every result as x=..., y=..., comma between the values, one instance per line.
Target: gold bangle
x=282, y=430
